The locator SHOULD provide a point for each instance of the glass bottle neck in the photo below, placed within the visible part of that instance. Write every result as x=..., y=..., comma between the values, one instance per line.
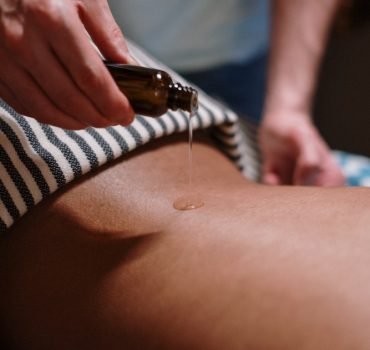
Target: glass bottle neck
x=182, y=97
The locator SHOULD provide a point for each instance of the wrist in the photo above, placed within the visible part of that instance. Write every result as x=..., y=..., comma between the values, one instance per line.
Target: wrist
x=284, y=120
x=288, y=103
x=286, y=114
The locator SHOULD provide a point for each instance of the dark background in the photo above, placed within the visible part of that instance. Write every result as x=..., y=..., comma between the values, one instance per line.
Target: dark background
x=342, y=105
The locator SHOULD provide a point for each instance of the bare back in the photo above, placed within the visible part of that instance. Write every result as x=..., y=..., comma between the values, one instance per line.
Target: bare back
x=109, y=263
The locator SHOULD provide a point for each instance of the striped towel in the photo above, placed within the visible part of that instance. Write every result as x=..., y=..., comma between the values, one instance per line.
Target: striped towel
x=37, y=159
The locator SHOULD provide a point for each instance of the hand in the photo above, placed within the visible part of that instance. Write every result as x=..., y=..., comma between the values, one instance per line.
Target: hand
x=49, y=69
x=295, y=154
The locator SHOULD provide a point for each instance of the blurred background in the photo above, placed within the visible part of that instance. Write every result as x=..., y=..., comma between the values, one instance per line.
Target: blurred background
x=342, y=105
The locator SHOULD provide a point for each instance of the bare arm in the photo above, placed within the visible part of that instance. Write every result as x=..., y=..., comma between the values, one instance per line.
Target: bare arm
x=299, y=35
x=294, y=151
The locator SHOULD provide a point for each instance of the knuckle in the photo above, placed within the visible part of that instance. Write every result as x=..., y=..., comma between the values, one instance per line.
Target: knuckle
x=117, y=38
x=116, y=33
x=13, y=35
x=45, y=12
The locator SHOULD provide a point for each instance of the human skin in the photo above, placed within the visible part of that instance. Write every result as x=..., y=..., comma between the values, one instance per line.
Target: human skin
x=108, y=263
x=293, y=150
x=50, y=71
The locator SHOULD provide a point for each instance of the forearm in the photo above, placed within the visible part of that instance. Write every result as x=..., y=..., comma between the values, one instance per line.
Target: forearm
x=293, y=151
x=299, y=34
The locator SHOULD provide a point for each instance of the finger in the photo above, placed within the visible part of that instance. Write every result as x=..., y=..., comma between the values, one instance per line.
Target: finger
x=331, y=174
x=270, y=175
x=106, y=34
x=271, y=178
x=7, y=95
x=306, y=175
x=309, y=177
x=281, y=169
x=37, y=105
x=88, y=71
x=308, y=167
x=58, y=86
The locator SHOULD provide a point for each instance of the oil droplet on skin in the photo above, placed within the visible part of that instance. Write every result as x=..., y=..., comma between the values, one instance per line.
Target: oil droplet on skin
x=188, y=202
x=191, y=200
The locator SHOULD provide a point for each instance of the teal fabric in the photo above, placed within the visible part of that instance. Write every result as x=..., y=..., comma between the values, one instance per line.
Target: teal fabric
x=193, y=35
x=356, y=168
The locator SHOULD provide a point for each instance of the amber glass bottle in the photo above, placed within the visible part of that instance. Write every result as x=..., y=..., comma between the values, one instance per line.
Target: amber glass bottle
x=152, y=92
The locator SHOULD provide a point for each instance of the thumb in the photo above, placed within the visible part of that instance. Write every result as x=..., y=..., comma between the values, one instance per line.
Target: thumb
x=103, y=29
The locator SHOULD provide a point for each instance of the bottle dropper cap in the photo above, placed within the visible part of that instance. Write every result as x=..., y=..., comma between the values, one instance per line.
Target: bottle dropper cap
x=182, y=97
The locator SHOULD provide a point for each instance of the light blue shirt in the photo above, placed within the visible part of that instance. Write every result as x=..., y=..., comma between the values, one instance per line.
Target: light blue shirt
x=191, y=35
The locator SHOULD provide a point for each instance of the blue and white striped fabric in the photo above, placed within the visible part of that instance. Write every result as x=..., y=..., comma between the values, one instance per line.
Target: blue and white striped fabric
x=37, y=159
